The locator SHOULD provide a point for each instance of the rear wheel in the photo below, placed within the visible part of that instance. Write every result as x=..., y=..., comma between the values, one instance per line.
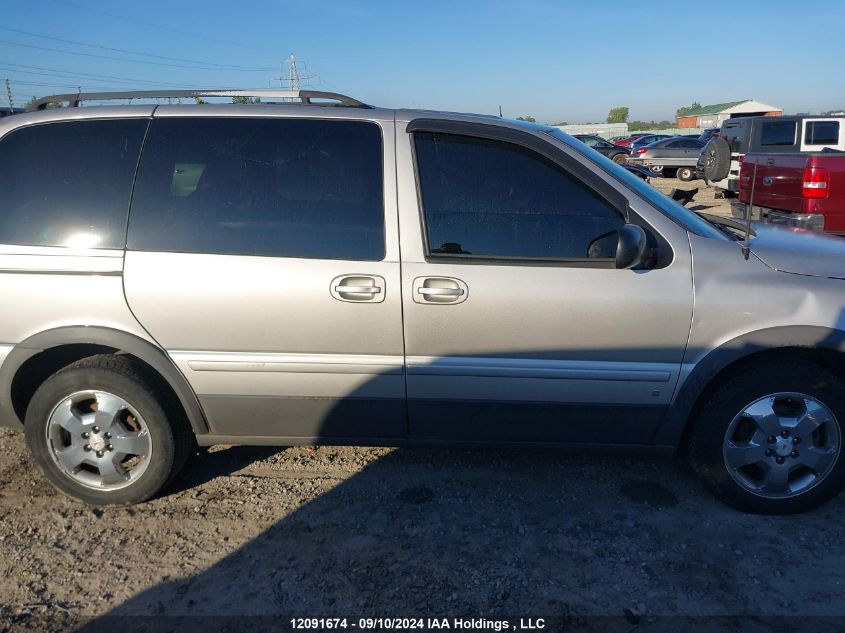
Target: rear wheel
x=686, y=174
x=100, y=434
x=769, y=441
x=620, y=159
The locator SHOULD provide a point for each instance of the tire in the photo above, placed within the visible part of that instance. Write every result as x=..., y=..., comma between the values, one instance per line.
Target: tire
x=717, y=159
x=620, y=159
x=758, y=463
x=136, y=453
x=686, y=174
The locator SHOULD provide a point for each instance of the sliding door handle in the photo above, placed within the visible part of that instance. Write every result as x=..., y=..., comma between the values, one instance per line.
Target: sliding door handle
x=372, y=290
x=358, y=288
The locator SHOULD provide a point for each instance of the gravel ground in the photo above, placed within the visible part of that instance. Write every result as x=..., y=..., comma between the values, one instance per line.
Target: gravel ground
x=397, y=532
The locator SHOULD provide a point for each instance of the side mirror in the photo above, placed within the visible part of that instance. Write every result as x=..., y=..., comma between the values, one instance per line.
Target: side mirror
x=632, y=247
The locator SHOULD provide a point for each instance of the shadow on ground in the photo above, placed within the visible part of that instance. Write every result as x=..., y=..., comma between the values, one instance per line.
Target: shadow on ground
x=502, y=534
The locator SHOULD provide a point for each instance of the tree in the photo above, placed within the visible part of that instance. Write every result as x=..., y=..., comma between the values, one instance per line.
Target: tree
x=49, y=106
x=200, y=101
x=527, y=117
x=246, y=100
x=645, y=126
x=561, y=124
x=618, y=115
x=684, y=110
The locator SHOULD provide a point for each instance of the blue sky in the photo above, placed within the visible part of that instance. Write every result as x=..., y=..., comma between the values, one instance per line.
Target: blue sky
x=557, y=61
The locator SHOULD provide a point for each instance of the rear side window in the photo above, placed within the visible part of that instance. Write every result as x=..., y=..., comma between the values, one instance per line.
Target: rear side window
x=821, y=133
x=272, y=187
x=68, y=184
x=777, y=133
x=486, y=198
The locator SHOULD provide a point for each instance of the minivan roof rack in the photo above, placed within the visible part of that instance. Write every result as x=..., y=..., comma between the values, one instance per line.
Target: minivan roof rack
x=305, y=97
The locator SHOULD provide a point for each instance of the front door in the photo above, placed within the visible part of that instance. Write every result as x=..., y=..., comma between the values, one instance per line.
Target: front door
x=263, y=256
x=518, y=327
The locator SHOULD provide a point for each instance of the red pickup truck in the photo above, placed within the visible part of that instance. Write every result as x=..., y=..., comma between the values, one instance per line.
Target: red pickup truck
x=805, y=190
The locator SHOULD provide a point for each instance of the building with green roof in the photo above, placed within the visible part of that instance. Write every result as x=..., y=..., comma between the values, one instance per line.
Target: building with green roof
x=713, y=115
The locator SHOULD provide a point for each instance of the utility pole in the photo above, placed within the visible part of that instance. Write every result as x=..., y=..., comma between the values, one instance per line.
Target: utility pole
x=9, y=95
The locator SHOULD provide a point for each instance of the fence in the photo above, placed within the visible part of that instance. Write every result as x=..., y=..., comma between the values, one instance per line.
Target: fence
x=609, y=131
x=676, y=131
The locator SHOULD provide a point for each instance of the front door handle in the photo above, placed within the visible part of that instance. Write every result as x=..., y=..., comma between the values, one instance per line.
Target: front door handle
x=439, y=290
x=358, y=288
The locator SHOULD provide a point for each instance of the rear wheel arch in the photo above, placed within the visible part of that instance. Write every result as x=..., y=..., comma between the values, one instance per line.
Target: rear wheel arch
x=823, y=346
x=33, y=360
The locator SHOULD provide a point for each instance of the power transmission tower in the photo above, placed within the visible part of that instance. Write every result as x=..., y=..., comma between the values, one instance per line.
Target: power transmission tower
x=293, y=72
x=9, y=95
x=294, y=78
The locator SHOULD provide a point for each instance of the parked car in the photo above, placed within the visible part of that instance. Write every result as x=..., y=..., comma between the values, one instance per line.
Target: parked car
x=674, y=156
x=720, y=161
x=804, y=190
x=295, y=274
x=648, y=139
x=626, y=141
x=613, y=152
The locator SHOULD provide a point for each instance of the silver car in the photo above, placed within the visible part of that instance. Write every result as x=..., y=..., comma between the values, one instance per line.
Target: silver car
x=295, y=273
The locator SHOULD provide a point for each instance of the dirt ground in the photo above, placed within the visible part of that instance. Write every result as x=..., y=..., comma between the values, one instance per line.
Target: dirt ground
x=705, y=200
x=328, y=532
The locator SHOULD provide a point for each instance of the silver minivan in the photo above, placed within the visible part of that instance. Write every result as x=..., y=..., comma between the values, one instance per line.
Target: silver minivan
x=321, y=271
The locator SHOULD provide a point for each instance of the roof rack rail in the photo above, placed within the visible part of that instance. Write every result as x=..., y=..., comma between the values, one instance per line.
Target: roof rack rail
x=305, y=97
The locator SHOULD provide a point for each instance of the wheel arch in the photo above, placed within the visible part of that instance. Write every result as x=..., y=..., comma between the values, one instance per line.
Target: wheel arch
x=825, y=346
x=37, y=357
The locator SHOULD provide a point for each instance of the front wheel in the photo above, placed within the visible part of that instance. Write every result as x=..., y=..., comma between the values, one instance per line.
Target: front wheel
x=100, y=434
x=769, y=441
x=620, y=159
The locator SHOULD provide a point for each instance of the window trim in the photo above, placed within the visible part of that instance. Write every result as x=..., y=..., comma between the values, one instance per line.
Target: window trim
x=536, y=145
x=383, y=203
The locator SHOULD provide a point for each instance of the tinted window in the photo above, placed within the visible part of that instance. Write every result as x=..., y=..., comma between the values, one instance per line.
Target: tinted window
x=493, y=199
x=690, y=143
x=68, y=184
x=778, y=133
x=821, y=133
x=678, y=143
x=276, y=187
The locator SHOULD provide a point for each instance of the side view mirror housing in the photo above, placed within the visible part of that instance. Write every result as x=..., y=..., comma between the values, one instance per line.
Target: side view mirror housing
x=632, y=247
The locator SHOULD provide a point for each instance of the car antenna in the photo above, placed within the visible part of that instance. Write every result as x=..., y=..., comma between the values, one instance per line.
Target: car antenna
x=746, y=248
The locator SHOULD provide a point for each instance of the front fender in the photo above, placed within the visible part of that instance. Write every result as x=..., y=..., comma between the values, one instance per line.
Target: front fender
x=671, y=430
